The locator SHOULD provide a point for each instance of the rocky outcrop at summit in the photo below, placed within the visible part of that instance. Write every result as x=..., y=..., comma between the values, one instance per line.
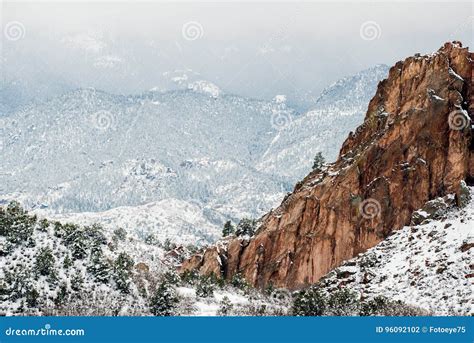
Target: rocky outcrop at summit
x=415, y=145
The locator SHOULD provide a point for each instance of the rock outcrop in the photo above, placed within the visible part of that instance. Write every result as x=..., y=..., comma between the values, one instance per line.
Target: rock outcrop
x=428, y=265
x=415, y=145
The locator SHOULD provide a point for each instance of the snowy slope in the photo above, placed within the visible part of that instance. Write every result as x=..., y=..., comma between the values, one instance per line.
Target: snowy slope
x=180, y=221
x=240, y=303
x=429, y=265
x=339, y=109
x=53, y=268
x=66, y=283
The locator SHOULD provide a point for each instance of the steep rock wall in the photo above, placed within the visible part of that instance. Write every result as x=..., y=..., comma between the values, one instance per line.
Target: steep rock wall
x=414, y=145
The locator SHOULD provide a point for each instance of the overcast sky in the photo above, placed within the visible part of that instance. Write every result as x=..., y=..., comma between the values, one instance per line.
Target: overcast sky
x=253, y=49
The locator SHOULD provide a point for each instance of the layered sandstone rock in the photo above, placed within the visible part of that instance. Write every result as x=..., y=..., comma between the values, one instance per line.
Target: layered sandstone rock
x=414, y=145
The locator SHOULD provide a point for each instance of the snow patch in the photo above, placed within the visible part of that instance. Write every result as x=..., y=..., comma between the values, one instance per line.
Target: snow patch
x=205, y=87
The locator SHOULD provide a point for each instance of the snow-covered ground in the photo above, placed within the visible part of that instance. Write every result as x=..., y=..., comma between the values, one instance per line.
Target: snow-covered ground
x=179, y=221
x=429, y=265
x=238, y=302
x=78, y=276
x=210, y=306
x=53, y=268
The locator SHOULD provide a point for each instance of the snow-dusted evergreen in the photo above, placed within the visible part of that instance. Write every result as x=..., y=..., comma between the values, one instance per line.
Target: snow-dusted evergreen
x=58, y=268
x=48, y=267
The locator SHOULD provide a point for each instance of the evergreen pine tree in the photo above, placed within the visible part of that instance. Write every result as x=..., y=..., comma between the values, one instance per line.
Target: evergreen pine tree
x=67, y=263
x=58, y=229
x=189, y=277
x=61, y=296
x=77, y=240
x=343, y=303
x=32, y=296
x=168, y=245
x=164, y=300
x=239, y=282
x=15, y=223
x=375, y=307
x=225, y=307
x=171, y=277
x=44, y=264
x=43, y=225
x=99, y=267
x=318, y=162
x=120, y=234
x=77, y=281
x=122, y=272
x=151, y=239
x=205, y=287
x=246, y=227
x=309, y=302
x=228, y=229
x=95, y=236
x=17, y=282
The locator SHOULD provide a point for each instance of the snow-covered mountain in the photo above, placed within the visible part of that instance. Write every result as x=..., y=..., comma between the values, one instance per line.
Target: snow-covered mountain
x=92, y=151
x=213, y=155
x=339, y=109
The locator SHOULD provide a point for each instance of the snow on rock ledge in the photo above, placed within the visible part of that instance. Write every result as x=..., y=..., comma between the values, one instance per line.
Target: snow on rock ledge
x=429, y=266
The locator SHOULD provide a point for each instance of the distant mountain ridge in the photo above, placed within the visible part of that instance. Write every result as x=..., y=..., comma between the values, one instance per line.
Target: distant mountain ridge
x=339, y=109
x=88, y=150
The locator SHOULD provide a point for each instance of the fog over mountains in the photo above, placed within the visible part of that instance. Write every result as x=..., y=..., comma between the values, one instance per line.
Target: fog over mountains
x=195, y=154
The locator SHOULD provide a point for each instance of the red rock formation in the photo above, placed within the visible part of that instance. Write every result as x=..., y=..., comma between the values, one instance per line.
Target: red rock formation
x=414, y=145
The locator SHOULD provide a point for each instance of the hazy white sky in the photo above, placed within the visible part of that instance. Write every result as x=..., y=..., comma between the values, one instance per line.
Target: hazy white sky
x=253, y=49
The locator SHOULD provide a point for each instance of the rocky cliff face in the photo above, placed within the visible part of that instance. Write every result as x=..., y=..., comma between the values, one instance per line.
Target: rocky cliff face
x=415, y=145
